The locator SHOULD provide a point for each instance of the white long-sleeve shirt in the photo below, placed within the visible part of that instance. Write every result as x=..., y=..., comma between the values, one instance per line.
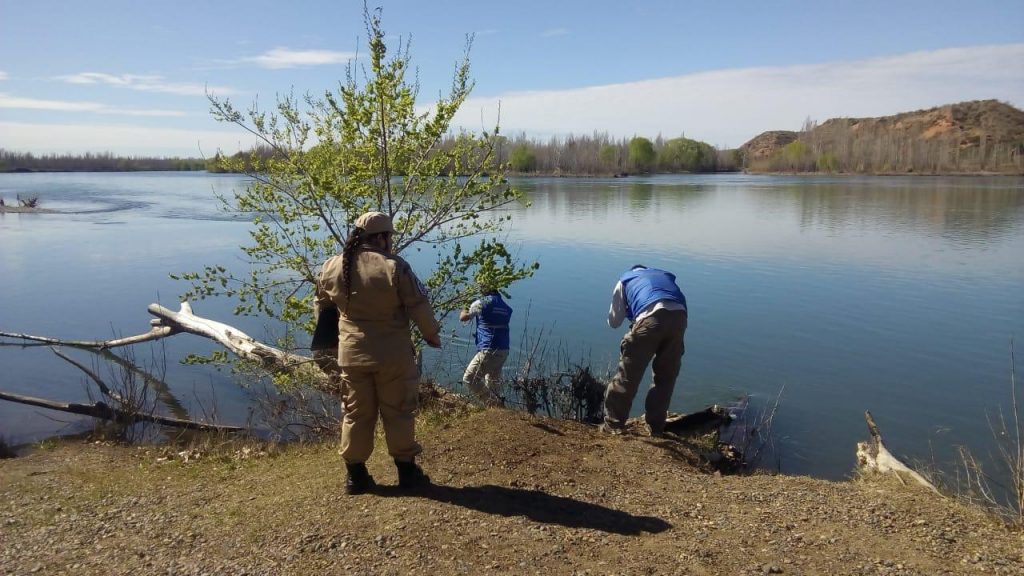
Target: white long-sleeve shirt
x=617, y=311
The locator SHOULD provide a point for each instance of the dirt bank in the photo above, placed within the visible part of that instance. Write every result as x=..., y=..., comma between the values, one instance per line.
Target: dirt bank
x=513, y=494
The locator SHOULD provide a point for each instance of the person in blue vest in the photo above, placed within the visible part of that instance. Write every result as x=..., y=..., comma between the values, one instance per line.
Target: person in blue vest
x=492, y=339
x=656, y=309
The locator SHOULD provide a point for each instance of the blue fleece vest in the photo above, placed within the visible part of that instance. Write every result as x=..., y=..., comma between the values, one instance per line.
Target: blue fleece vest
x=492, y=324
x=645, y=286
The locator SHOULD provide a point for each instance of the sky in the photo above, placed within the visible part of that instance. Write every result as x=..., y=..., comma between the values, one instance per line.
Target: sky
x=132, y=77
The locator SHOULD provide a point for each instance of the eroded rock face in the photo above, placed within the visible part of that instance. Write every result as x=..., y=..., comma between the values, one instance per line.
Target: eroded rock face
x=963, y=126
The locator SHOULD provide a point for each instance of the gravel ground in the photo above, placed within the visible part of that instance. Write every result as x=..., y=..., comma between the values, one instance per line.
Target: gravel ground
x=512, y=494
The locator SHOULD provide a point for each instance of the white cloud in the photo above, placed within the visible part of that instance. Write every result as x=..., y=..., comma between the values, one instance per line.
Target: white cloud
x=120, y=139
x=728, y=107
x=3, y=75
x=552, y=32
x=20, y=103
x=287, y=58
x=144, y=83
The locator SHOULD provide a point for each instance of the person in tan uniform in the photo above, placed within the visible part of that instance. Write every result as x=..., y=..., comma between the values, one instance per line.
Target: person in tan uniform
x=377, y=295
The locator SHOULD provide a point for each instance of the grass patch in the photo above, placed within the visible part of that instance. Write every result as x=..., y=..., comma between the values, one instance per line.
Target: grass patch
x=46, y=444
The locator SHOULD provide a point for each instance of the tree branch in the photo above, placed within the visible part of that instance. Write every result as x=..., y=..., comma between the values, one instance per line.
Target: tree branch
x=106, y=412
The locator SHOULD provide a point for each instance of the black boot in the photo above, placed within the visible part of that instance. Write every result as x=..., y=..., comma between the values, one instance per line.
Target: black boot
x=359, y=480
x=411, y=476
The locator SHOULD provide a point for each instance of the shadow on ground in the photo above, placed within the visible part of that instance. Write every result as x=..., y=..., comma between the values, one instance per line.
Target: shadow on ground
x=537, y=506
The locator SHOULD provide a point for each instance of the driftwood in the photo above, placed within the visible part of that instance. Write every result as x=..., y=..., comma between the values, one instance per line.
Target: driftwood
x=155, y=334
x=107, y=412
x=168, y=323
x=704, y=421
x=692, y=424
x=239, y=342
x=875, y=456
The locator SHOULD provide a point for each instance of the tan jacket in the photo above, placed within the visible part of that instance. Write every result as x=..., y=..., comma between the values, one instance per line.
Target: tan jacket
x=373, y=326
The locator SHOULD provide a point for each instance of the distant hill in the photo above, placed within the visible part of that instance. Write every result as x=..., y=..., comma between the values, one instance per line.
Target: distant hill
x=981, y=136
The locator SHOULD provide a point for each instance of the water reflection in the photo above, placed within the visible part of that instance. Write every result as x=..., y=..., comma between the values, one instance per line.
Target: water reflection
x=959, y=214
x=884, y=221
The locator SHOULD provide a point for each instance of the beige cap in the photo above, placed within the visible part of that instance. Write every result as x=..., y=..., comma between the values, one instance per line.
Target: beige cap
x=375, y=223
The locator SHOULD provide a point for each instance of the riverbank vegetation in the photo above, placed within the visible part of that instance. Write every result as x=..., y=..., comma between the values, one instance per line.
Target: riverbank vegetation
x=601, y=155
x=587, y=155
x=11, y=161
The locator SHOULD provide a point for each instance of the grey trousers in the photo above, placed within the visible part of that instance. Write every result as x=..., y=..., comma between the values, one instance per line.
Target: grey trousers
x=483, y=374
x=658, y=336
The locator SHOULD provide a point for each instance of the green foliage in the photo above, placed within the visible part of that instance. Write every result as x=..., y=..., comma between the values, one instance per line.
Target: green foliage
x=827, y=162
x=609, y=155
x=90, y=162
x=683, y=154
x=795, y=151
x=797, y=156
x=325, y=160
x=523, y=159
x=641, y=154
x=216, y=357
x=46, y=444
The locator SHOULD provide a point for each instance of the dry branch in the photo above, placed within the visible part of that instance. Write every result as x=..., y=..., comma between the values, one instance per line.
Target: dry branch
x=95, y=378
x=107, y=412
x=233, y=339
x=875, y=456
x=155, y=334
x=169, y=323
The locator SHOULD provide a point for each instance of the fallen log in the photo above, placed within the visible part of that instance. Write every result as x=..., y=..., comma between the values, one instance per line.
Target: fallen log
x=876, y=457
x=243, y=345
x=155, y=334
x=168, y=323
x=107, y=412
x=700, y=422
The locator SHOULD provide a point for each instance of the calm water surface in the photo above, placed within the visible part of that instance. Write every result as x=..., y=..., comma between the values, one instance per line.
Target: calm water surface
x=893, y=294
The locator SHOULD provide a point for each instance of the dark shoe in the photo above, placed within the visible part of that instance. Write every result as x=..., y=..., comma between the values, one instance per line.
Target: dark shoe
x=359, y=480
x=411, y=476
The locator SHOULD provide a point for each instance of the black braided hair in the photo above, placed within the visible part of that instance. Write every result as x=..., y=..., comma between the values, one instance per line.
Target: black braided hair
x=355, y=238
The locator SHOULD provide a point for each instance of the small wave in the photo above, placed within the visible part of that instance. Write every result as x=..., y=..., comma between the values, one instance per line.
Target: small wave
x=111, y=207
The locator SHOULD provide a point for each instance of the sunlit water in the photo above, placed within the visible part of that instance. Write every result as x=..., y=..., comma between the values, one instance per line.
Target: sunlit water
x=893, y=294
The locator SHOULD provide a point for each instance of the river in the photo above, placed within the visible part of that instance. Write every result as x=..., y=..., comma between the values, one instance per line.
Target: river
x=894, y=294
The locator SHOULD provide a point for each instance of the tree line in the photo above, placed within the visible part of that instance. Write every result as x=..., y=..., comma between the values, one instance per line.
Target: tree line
x=601, y=155
x=594, y=155
x=11, y=161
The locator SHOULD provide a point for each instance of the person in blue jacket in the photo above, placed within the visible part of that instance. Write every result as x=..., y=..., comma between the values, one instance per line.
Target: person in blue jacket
x=656, y=309
x=492, y=316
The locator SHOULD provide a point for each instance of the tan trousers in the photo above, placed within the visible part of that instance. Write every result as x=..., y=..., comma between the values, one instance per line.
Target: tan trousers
x=485, y=370
x=658, y=336
x=392, y=391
